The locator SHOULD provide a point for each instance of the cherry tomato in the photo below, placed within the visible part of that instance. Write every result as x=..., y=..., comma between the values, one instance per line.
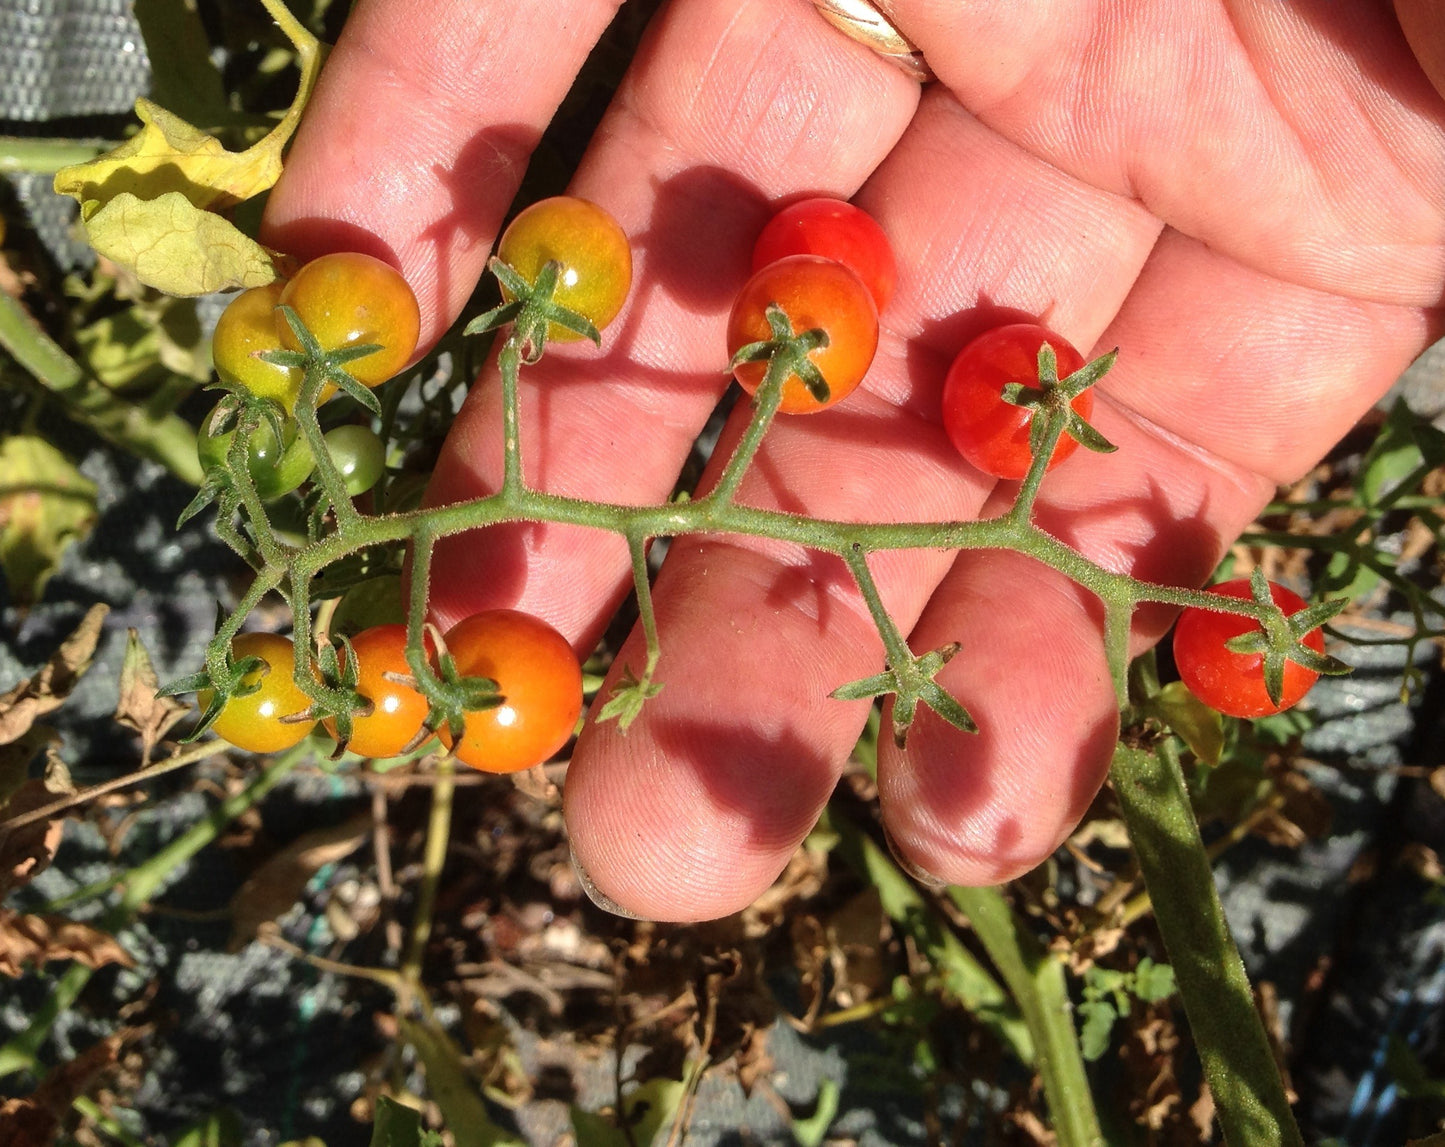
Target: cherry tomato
x=275, y=471
x=538, y=675
x=358, y=454
x=993, y=435
x=397, y=709
x=834, y=229
x=348, y=299
x=814, y=293
x=247, y=328
x=1232, y=682
x=256, y=722
x=589, y=244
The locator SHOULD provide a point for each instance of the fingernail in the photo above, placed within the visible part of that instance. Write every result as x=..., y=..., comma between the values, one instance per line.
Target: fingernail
x=927, y=879
x=595, y=894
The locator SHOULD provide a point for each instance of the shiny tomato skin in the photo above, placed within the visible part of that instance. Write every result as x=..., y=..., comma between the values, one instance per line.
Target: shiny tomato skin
x=275, y=468
x=991, y=434
x=590, y=245
x=1233, y=683
x=348, y=299
x=538, y=675
x=246, y=329
x=814, y=293
x=255, y=722
x=833, y=229
x=398, y=710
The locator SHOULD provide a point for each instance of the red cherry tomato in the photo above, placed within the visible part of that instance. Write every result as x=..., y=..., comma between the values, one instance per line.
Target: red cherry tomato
x=398, y=710
x=257, y=722
x=589, y=244
x=1232, y=682
x=538, y=675
x=814, y=293
x=993, y=435
x=833, y=229
x=348, y=299
x=246, y=329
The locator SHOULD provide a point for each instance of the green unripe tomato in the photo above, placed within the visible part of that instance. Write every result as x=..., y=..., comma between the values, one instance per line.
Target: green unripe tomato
x=358, y=454
x=275, y=469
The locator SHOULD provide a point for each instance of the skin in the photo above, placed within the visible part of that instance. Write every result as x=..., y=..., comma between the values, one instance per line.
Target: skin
x=1243, y=196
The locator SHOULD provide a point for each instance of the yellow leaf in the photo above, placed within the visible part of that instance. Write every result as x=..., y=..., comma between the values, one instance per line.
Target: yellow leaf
x=45, y=504
x=169, y=155
x=151, y=204
x=176, y=247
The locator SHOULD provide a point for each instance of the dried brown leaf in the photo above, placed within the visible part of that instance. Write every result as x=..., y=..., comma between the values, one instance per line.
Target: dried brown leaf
x=139, y=707
x=49, y=688
x=35, y=1120
x=279, y=882
x=35, y=940
x=15, y=759
x=27, y=851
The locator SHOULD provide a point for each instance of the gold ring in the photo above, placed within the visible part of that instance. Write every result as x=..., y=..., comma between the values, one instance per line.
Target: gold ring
x=859, y=20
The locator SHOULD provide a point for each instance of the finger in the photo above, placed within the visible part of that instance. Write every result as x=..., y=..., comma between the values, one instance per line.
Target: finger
x=697, y=807
x=727, y=108
x=1272, y=132
x=1228, y=383
x=417, y=135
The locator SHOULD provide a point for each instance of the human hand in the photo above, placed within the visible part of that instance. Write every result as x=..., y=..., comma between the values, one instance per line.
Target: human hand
x=1245, y=199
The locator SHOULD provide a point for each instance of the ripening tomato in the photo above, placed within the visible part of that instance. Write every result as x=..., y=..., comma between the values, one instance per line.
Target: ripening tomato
x=267, y=720
x=814, y=293
x=245, y=330
x=539, y=678
x=349, y=299
x=993, y=435
x=1233, y=682
x=275, y=469
x=589, y=245
x=833, y=229
x=384, y=678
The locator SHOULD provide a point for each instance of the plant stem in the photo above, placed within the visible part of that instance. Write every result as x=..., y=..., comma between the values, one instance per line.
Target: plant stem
x=637, y=548
x=1244, y=1079
x=765, y=407
x=140, y=883
x=509, y=362
x=160, y=436
x=1035, y=977
x=46, y=156
x=438, y=837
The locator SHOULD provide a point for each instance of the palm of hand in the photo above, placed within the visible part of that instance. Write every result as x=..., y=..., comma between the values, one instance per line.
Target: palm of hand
x=1241, y=197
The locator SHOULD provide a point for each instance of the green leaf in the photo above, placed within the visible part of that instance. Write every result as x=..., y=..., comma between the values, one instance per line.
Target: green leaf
x=627, y=700
x=453, y=1089
x=398, y=1125
x=1201, y=727
x=1098, y=1026
x=1392, y=458
x=647, y=1109
x=219, y=1129
x=45, y=504
x=1153, y=982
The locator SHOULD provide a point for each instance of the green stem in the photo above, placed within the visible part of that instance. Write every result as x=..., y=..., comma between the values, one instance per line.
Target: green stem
x=895, y=647
x=765, y=407
x=1249, y=1097
x=962, y=975
x=333, y=486
x=637, y=548
x=1023, y=507
x=20, y=1052
x=160, y=436
x=46, y=156
x=438, y=836
x=1036, y=979
x=509, y=363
